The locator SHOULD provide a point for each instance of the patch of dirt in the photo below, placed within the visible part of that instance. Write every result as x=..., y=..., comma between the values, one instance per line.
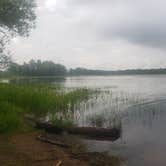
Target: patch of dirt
x=26, y=150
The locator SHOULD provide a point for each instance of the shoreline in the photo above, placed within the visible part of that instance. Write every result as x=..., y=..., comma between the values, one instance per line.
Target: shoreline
x=27, y=150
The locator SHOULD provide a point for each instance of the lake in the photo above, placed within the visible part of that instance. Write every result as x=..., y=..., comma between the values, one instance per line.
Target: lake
x=143, y=116
x=136, y=103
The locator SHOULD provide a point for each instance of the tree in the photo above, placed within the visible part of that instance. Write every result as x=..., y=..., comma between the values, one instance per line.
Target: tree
x=17, y=17
x=38, y=68
x=4, y=61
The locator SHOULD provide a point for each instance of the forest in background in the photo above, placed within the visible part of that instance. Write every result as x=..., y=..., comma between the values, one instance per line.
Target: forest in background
x=49, y=68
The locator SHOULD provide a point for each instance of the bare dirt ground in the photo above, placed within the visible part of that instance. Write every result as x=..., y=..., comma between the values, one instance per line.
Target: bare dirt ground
x=26, y=150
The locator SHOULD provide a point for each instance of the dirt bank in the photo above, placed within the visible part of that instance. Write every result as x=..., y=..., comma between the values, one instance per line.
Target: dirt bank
x=26, y=150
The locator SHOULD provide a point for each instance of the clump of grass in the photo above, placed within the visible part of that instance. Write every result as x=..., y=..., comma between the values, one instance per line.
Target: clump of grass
x=40, y=100
x=62, y=124
x=10, y=119
x=96, y=120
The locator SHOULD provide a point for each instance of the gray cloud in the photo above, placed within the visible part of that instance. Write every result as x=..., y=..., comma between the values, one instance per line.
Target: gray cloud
x=107, y=34
x=139, y=21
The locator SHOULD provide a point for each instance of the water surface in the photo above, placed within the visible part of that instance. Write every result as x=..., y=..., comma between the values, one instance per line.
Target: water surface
x=143, y=116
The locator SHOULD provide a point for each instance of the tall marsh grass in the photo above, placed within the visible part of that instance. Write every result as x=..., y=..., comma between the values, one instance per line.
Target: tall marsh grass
x=38, y=101
x=10, y=117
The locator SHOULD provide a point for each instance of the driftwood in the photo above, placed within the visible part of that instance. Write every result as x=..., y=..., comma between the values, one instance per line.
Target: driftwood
x=90, y=132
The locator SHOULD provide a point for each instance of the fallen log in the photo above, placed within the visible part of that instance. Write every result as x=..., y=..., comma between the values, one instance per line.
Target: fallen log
x=111, y=134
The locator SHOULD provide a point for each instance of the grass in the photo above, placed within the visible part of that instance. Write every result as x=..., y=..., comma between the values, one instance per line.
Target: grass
x=10, y=118
x=96, y=120
x=62, y=123
x=42, y=101
x=38, y=101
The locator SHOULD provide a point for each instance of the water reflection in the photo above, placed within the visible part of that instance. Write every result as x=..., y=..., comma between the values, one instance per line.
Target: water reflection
x=104, y=109
x=139, y=104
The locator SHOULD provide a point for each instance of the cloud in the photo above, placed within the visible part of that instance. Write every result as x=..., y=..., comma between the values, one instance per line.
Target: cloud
x=139, y=21
x=105, y=34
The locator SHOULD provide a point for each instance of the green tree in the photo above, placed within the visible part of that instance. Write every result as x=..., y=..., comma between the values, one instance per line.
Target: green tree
x=38, y=68
x=17, y=17
x=4, y=61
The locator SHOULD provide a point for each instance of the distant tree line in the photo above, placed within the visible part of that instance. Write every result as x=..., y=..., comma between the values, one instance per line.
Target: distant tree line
x=49, y=68
x=83, y=71
x=37, y=68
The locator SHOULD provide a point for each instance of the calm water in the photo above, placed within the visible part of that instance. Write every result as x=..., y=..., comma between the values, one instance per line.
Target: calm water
x=141, y=105
x=137, y=103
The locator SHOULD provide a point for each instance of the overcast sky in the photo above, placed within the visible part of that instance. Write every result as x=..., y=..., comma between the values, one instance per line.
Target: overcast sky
x=97, y=34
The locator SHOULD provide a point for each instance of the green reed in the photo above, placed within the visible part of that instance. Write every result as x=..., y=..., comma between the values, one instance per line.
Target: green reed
x=38, y=101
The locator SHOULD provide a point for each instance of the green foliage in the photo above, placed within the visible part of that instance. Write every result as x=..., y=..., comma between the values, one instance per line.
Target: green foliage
x=62, y=123
x=38, y=101
x=49, y=68
x=38, y=68
x=10, y=119
x=83, y=71
x=4, y=61
x=17, y=16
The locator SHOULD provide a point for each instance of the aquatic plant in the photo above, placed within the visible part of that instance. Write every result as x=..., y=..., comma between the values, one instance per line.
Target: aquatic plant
x=38, y=101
